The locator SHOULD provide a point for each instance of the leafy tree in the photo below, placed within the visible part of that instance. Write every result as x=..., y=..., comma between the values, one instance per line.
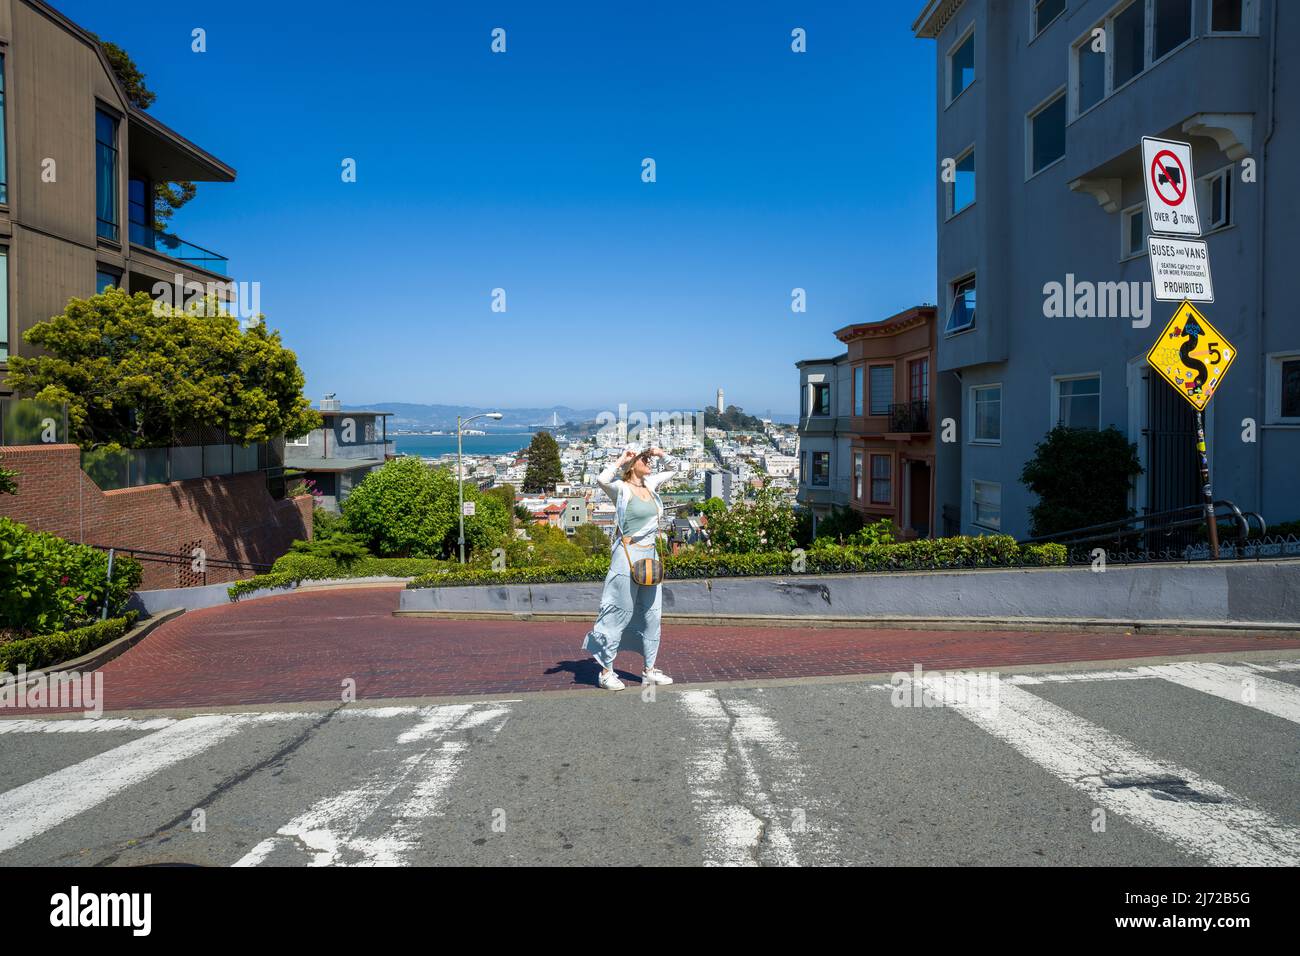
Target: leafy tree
x=344, y=547
x=505, y=493
x=135, y=373
x=405, y=509
x=523, y=515
x=544, y=471
x=762, y=523
x=1082, y=477
x=591, y=539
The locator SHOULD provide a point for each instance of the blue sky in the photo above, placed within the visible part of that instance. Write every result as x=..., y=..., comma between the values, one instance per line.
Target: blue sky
x=523, y=171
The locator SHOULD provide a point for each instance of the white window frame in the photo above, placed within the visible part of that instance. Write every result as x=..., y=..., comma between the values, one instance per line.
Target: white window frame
x=949, y=99
x=1074, y=110
x=857, y=475
x=1053, y=414
x=996, y=526
x=303, y=442
x=973, y=436
x=1249, y=20
x=1125, y=215
x=1030, y=172
x=952, y=302
x=951, y=190
x=1035, y=28
x=1227, y=173
x=1273, y=388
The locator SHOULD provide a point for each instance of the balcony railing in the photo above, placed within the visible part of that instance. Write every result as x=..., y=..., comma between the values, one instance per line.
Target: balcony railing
x=177, y=248
x=909, y=417
x=133, y=467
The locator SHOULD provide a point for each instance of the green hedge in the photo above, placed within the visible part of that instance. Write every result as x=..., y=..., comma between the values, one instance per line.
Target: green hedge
x=47, y=650
x=293, y=568
x=986, y=551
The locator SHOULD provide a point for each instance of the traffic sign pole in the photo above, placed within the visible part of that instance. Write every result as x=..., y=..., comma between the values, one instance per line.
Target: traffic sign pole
x=1206, y=493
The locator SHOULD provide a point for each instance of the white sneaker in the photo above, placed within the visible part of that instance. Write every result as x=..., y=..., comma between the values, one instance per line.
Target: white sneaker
x=655, y=676
x=609, y=680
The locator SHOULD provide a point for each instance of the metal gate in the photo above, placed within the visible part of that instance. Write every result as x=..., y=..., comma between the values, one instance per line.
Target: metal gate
x=1171, y=456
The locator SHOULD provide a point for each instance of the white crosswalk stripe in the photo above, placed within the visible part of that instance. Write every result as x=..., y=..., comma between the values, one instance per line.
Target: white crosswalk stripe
x=38, y=806
x=1236, y=684
x=1196, y=815
x=337, y=828
x=746, y=819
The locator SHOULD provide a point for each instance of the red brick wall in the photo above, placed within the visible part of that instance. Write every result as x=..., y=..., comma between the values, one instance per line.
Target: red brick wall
x=232, y=517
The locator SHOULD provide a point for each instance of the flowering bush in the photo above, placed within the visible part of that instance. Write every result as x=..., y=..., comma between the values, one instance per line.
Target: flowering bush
x=762, y=523
x=48, y=584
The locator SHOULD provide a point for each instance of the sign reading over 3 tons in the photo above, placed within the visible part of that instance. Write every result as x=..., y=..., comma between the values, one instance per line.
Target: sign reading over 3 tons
x=1192, y=356
x=1180, y=269
x=1171, y=187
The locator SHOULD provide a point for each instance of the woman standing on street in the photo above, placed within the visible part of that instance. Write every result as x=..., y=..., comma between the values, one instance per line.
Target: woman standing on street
x=629, y=612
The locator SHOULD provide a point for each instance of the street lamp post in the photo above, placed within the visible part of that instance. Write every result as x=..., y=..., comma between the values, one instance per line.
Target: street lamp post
x=460, y=476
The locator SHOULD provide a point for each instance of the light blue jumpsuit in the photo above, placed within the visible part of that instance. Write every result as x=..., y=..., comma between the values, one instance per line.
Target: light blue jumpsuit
x=629, y=612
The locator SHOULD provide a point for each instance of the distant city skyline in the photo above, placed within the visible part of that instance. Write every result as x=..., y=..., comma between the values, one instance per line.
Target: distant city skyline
x=522, y=171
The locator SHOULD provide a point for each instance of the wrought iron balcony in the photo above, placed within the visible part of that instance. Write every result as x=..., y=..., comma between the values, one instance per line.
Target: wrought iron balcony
x=911, y=417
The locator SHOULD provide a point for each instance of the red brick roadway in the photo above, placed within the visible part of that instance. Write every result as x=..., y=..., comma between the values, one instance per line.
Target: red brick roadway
x=300, y=647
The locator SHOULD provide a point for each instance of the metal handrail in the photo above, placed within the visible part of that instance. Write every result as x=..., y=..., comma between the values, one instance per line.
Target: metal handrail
x=168, y=557
x=1191, y=516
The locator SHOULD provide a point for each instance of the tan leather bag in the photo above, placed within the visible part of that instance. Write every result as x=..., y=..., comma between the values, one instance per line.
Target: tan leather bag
x=646, y=572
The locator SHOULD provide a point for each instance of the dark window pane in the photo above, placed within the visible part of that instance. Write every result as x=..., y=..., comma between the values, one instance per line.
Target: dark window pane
x=962, y=315
x=963, y=67
x=963, y=188
x=1046, y=12
x=1291, y=389
x=1049, y=134
x=882, y=389
x=1092, y=76
x=1225, y=16
x=1173, y=25
x=1130, y=42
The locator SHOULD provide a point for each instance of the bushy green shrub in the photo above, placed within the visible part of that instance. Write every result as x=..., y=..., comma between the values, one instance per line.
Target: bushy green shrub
x=46, y=650
x=48, y=584
x=1082, y=477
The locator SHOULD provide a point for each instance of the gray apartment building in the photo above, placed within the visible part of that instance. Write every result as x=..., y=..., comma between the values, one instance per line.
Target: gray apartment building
x=825, y=436
x=78, y=164
x=351, y=444
x=1042, y=105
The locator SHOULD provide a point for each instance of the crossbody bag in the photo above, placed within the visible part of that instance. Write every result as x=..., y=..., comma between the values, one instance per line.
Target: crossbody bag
x=648, y=571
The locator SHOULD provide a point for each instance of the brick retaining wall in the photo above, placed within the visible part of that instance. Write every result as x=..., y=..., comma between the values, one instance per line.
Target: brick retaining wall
x=232, y=517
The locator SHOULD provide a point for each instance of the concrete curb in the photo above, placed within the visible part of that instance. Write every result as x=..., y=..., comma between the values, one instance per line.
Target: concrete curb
x=102, y=655
x=1217, y=597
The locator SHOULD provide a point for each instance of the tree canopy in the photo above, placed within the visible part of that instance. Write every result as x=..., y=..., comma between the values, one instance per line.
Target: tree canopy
x=544, y=471
x=138, y=374
x=406, y=509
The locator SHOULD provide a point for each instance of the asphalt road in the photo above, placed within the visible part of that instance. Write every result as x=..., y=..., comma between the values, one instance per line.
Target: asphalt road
x=1167, y=764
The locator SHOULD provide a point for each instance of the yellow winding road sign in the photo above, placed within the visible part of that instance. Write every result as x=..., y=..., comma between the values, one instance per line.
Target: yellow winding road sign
x=1192, y=356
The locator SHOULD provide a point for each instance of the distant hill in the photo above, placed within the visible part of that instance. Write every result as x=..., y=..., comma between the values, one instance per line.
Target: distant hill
x=732, y=420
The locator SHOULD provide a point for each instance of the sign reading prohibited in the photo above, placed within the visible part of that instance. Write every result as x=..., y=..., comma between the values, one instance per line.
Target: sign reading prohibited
x=1180, y=269
x=1171, y=187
